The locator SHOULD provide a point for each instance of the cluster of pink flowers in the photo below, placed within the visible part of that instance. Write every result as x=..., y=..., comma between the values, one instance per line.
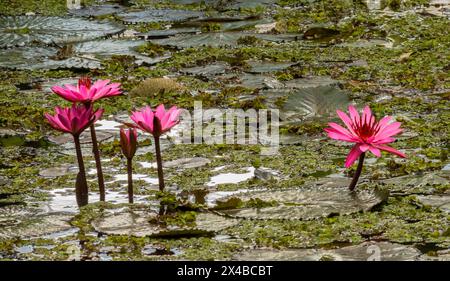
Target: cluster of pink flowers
x=82, y=115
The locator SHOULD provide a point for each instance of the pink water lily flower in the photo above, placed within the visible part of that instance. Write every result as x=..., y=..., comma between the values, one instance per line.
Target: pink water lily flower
x=86, y=92
x=164, y=121
x=157, y=123
x=73, y=120
x=367, y=133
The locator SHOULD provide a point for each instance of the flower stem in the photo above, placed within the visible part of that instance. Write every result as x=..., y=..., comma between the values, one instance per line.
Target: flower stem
x=130, y=180
x=81, y=187
x=357, y=172
x=159, y=164
x=98, y=164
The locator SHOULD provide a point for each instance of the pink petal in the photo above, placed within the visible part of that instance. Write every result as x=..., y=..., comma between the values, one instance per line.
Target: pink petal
x=354, y=115
x=388, y=131
x=384, y=122
x=160, y=111
x=390, y=150
x=342, y=130
x=367, y=115
x=146, y=127
x=98, y=114
x=75, y=126
x=52, y=120
x=347, y=121
x=364, y=147
x=375, y=151
x=385, y=140
x=355, y=152
x=65, y=94
x=332, y=133
x=64, y=121
x=100, y=83
x=71, y=87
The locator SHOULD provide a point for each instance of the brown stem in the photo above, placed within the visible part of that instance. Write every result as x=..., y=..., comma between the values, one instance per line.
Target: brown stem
x=130, y=180
x=98, y=164
x=357, y=172
x=159, y=164
x=81, y=188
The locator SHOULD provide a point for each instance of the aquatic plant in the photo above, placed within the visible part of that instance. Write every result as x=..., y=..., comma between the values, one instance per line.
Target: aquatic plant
x=87, y=93
x=367, y=134
x=157, y=123
x=128, y=144
x=75, y=120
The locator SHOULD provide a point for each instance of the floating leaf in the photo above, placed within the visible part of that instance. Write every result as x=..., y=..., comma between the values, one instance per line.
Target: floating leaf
x=163, y=15
x=219, y=39
x=439, y=201
x=308, y=203
x=227, y=5
x=85, y=55
x=207, y=70
x=314, y=102
x=24, y=30
x=226, y=23
x=267, y=66
x=165, y=33
x=97, y=10
x=31, y=225
x=139, y=224
x=383, y=251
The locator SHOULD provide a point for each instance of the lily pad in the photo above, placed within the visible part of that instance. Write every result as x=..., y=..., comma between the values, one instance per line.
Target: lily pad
x=214, y=39
x=85, y=55
x=107, y=48
x=367, y=251
x=367, y=43
x=442, y=255
x=31, y=58
x=267, y=66
x=227, y=5
x=249, y=4
x=227, y=23
x=137, y=223
x=319, y=102
x=308, y=203
x=311, y=82
x=220, y=39
x=34, y=226
x=257, y=81
x=24, y=30
x=61, y=170
x=438, y=201
x=166, y=33
x=163, y=15
x=207, y=70
x=187, y=163
x=415, y=184
x=97, y=10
